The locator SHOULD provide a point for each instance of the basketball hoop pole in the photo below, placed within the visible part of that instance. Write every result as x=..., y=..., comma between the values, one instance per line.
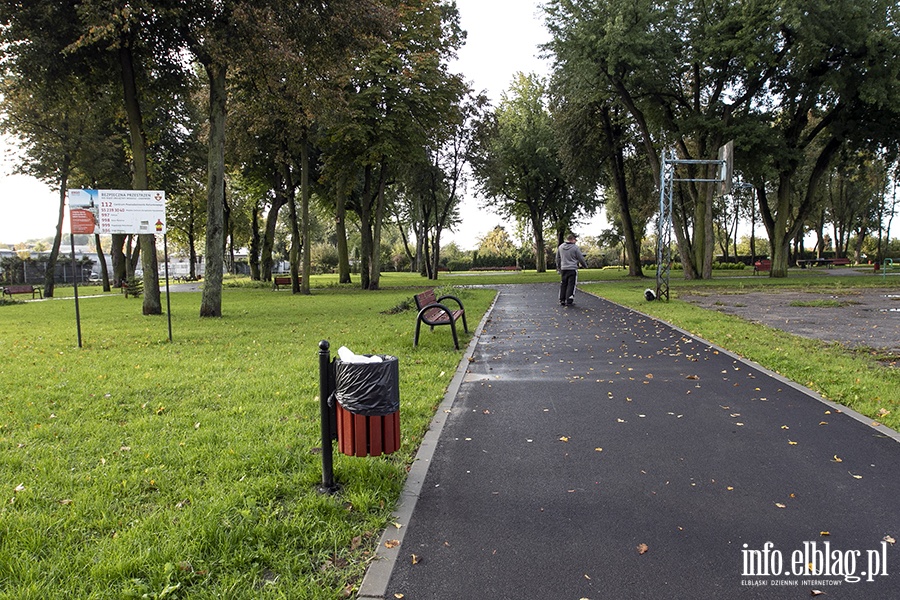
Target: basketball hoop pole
x=664, y=223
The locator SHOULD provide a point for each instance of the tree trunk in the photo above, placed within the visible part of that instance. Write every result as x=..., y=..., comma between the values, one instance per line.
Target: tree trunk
x=617, y=168
x=253, y=259
x=152, y=303
x=119, y=261
x=104, y=271
x=365, y=228
x=268, y=243
x=304, y=214
x=436, y=249
x=375, y=263
x=49, y=279
x=296, y=239
x=211, y=301
x=341, y=230
x=540, y=256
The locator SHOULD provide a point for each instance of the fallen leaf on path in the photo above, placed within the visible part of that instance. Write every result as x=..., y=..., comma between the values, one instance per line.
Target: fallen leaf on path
x=392, y=543
x=564, y=439
x=780, y=505
x=415, y=559
x=837, y=459
x=889, y=540
x=790, y=443
x=642, y=548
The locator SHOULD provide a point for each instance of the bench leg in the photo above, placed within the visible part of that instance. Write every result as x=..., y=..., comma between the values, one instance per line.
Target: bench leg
x=418, y=326
x=465, y=327
x=453, y=329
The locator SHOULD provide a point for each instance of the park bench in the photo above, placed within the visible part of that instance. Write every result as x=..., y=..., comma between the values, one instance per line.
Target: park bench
x=9, y=290
x=828, y=262
x=135, y=290
x=433, y=313
x=839, y=261
x=762, y=265
x=279, y=280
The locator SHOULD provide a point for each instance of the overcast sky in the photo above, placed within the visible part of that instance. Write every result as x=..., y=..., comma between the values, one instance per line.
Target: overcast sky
x=503, y=38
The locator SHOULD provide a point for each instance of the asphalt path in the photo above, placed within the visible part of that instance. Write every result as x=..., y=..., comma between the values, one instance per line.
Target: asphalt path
x=593, y=452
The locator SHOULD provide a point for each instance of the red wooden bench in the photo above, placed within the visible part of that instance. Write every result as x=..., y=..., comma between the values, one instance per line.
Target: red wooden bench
x=762, y=265
x=840, y=262
x=279, y=280
x=433, y=313
x=9, y=290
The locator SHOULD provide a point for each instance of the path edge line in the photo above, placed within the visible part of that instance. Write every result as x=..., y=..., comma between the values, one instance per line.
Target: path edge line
x=869, y=422
x=375, y=582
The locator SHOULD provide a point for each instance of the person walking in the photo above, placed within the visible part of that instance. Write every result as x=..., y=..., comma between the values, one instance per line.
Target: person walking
x=568, y=259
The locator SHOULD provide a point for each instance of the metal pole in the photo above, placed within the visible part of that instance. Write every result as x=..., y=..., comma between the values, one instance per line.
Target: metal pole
x=168, y=301
x=75, y=282
x=328, y=486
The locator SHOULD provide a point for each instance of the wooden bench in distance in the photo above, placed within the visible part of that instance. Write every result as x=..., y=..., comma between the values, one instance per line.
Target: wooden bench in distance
x=433, y=313
x=840, y=262
x=279, y=280
x=9, y=290
x=762, y=265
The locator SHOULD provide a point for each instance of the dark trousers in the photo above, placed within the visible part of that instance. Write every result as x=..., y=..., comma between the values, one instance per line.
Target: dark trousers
x=567, y=285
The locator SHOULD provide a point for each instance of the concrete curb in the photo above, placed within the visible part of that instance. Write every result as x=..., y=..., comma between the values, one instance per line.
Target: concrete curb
x=375, y=583
x=867, y=421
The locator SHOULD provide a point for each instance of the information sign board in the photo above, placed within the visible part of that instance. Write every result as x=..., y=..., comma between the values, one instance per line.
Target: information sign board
x=123, y=211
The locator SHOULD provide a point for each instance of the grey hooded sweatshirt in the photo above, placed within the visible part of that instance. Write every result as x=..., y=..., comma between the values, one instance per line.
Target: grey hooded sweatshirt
x=569, y=257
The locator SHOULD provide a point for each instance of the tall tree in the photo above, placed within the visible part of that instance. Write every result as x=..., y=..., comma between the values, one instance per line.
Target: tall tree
x=400, y=91
x=49, y=103
x=517, y=163
x=685, y=69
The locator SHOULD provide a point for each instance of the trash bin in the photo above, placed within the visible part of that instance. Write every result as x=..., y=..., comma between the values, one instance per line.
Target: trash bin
x=368, y=407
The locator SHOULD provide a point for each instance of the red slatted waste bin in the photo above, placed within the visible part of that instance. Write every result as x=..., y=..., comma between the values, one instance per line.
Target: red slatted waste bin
x=368, y=407
x=359, y=435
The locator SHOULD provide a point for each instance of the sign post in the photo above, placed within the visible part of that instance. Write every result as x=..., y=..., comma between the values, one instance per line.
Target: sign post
x=82, y=218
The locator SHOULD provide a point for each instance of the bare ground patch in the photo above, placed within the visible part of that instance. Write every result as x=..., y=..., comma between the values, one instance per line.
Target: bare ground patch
x=860, y=319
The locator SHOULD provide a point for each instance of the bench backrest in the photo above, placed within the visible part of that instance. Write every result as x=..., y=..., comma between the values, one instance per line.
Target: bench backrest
x=425, y=298
x=19, y=289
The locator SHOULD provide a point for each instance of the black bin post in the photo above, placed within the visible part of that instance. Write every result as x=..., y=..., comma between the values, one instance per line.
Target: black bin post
x=328, y=418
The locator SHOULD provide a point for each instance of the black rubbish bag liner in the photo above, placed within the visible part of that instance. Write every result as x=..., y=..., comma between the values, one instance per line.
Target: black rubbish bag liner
x=368, y=389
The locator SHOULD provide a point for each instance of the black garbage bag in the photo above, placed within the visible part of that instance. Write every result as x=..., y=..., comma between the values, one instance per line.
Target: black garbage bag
x=368, y=389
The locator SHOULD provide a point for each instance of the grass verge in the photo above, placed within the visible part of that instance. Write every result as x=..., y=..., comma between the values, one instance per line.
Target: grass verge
x=138, y=468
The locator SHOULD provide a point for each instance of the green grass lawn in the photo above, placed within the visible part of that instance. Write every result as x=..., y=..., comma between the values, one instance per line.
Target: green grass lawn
x=139, y=468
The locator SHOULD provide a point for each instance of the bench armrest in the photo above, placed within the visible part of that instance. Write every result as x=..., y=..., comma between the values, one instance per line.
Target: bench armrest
x=425, y=309
x=454, y=298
